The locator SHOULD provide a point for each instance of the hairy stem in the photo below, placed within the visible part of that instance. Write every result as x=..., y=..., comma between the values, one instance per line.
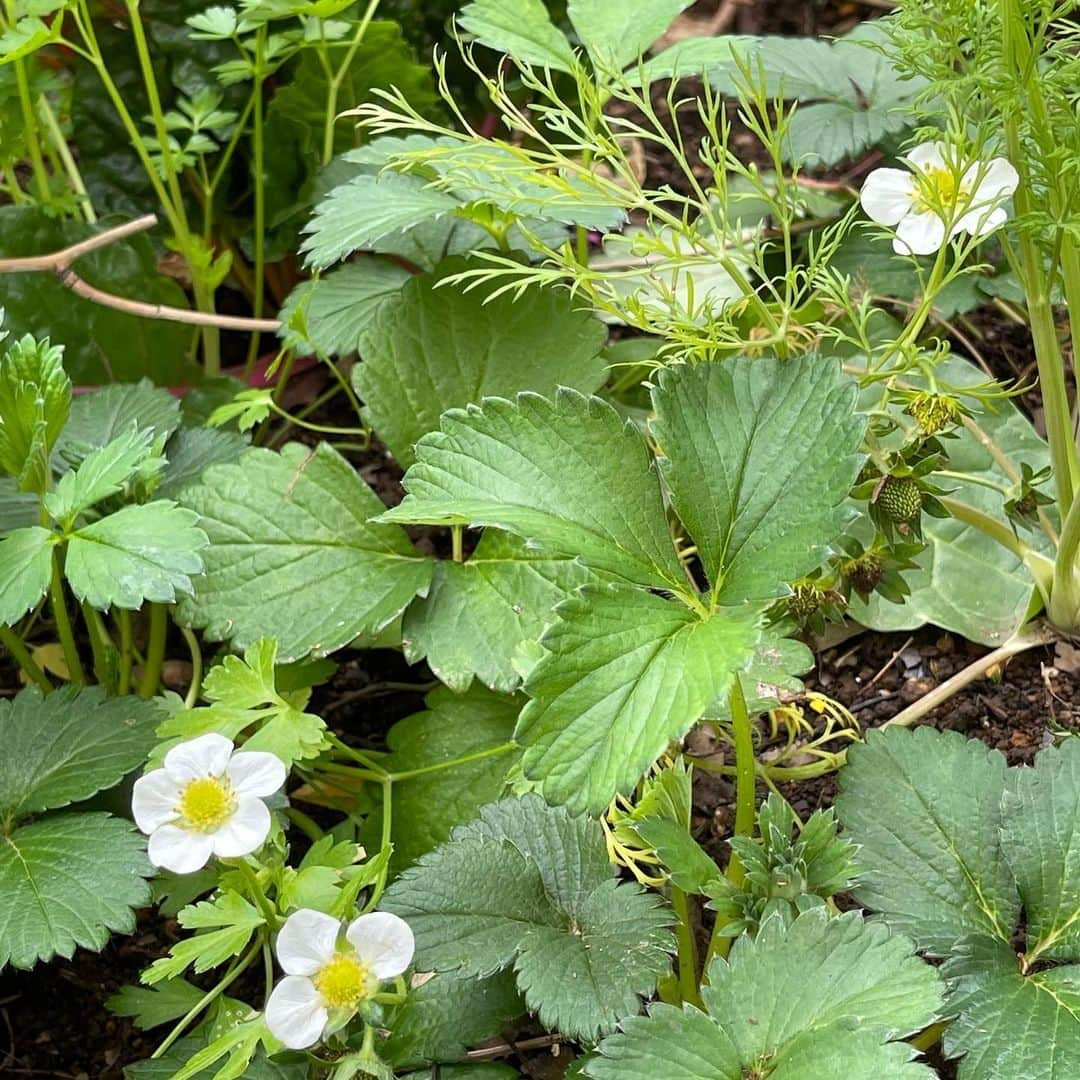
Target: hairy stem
x=14, y=645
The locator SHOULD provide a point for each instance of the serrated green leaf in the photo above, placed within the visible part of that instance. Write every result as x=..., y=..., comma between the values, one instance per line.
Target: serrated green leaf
x=26, y=37
x=814, y=1000
x=528, y=881
x=65, y=747
x=435, y=348
x=444, y=1016
x=191, y=451
x=148, y=552
x=360, y=213
x=625, y=673
x=759, y=456
x=105, y=414
x=103, y=472
x=227, y=923
x=338, y=307
x=1010, y=1024
x=25, y=568
x=569, y=474
x=470, y=904
x=479, y=613
x=453, y=726
x=68, y=881
x=293, y=554
x=548, y=838
x=521, y=28
x=18, y=509
x=617, y=35
x=149, y=1008
x=930, y=848
x=244, y=697
x=35, y=397
x=1038, y=835
x=691, y=869
x=166, y=1067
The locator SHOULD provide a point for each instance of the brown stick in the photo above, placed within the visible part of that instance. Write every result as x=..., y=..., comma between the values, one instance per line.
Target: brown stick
x=59, y=263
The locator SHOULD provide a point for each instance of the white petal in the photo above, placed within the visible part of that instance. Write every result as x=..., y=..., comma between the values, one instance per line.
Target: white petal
x=919, y=234
x=245, y=830
x=887, y=195
x=154, y=799
x=998, y=182
x=307, y=941
x=927, y=156
x=295, y=1013
x=179, y=850
x=205, y=756
x=981, y=222
x=254, y=772
x=383, y=941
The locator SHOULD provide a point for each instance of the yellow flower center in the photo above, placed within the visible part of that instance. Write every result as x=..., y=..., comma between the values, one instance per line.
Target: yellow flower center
x=939, y=189
x=344, y=982
x=206, y=804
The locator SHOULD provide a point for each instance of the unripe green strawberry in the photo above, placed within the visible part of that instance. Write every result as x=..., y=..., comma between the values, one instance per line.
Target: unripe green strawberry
x=900, y=499
x=804, y=601
x=864, y=573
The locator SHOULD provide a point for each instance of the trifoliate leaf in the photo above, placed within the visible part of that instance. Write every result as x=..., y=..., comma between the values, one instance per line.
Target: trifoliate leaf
x=244, y=698
x=427, y=807
x=446, y=1015
x=479, y=613
x=25, y=568
x=569, y=474
x=68, y=881
x=228, y=923
x=521, y=28
x=586, y=947
x=434, y=348
x=1010, y=1024
x=140, y=553
x=616, y=36
x=930, y=847
x=360, y=213
x=759, y=455
x=625, y=673
x=294, y=555
x=103, y=472
x=815, y=1000
x=65, y=747
x=330, y=315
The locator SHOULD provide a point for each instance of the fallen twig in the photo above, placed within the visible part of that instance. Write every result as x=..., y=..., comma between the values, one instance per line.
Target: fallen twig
x=60, y=263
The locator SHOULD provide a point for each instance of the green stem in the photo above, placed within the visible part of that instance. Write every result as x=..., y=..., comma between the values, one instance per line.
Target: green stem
x=30, y=128
x=63, y=622
x=335, y=83
x=465, y=759
x=126, y=651
x=99, y=643
x=239, y=966
x=307, y=825
x=684, y=937
x=14, y=645
x=74, y=176
x=258, y=894
x=192, y=697
x=258, y=168
x=1064, y=607
x=457, y=551
x=357, y=755
x=155, y=651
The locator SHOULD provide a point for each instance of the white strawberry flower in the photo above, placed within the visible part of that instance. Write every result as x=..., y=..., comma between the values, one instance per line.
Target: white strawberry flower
x=206, y=800
x=330, y=971
x=938, y=194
